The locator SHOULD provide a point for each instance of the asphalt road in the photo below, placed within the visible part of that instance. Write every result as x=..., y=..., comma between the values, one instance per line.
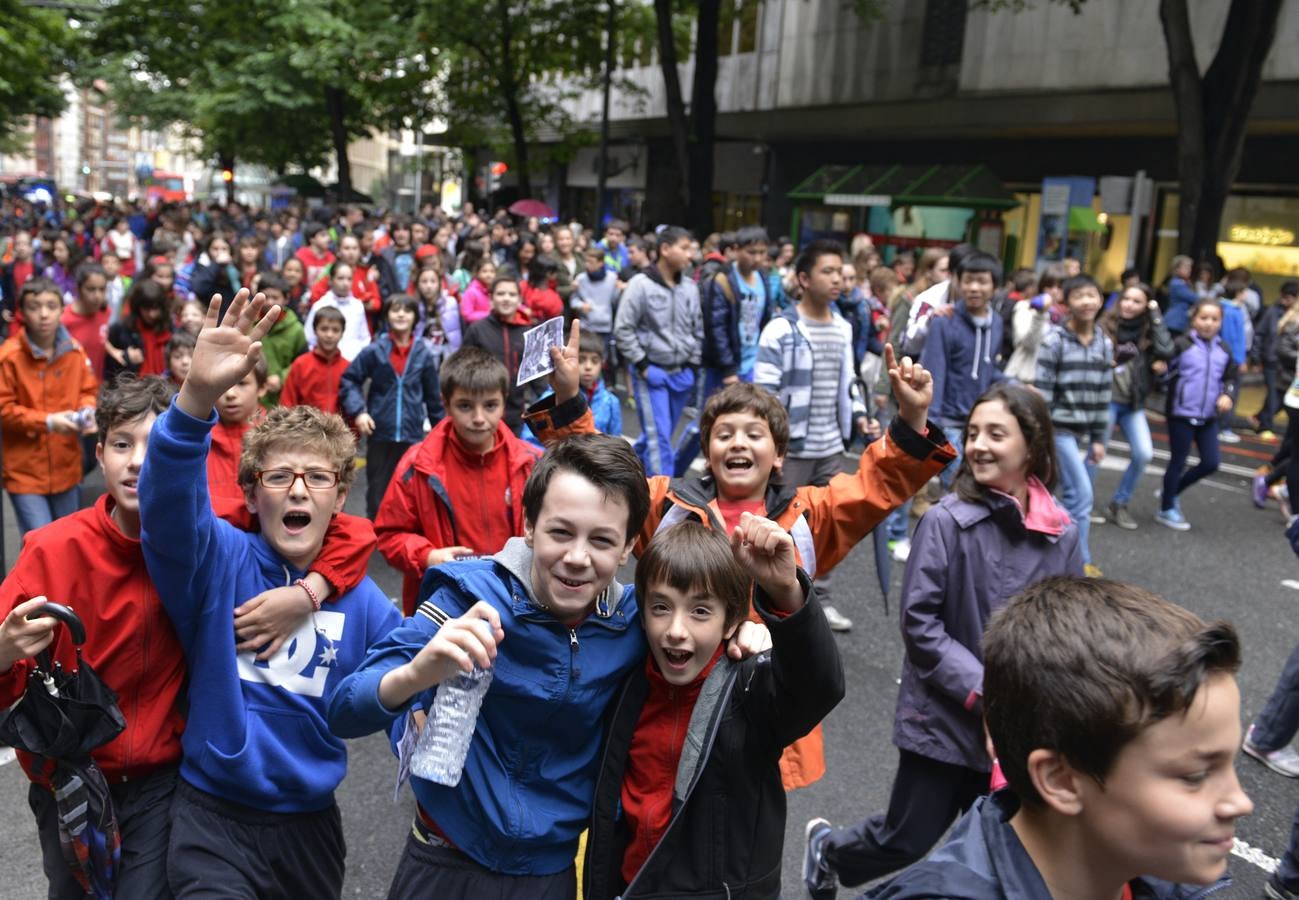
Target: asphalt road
x=1234, y=564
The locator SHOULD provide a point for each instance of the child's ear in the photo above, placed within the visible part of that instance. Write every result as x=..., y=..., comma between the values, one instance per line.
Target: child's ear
x=527, y=532
x=626, y=552
x=1057, y=782
x=249, y=503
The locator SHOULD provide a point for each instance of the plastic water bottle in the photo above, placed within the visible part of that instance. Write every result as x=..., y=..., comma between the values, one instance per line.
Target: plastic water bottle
x=439, y=755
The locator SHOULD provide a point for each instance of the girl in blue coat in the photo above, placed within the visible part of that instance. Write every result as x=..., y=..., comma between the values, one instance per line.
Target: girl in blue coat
x=403, y=376
x=996, y=533
x=1202, y=383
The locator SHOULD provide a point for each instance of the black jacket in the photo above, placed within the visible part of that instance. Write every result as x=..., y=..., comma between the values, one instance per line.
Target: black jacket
x=727, y=830
x=505, y=342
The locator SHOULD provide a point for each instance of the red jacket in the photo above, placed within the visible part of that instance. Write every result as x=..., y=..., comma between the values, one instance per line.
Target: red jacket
x=313, y=380
x=417, y=515
x=84, y=561
x=543, y=302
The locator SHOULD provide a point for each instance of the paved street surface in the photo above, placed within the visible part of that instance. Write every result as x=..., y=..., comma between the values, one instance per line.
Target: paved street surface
x=1233, y=564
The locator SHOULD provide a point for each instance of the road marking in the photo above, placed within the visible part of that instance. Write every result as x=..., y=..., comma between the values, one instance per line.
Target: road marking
x=1291, y=583
x=6, y=756
x=1254, y=856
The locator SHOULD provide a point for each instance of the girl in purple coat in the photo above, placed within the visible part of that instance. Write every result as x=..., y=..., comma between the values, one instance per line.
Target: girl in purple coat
x=998, y=532
x=1202, y=383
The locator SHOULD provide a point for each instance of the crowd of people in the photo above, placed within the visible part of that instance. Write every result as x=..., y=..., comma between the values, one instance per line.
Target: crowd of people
x=229, y=371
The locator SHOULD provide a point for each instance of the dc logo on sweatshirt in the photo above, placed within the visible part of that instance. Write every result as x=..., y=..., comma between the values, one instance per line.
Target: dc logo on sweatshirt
x=312, y=649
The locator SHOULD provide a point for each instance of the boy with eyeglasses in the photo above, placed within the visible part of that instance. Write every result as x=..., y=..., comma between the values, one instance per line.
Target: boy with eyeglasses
x=254, y=813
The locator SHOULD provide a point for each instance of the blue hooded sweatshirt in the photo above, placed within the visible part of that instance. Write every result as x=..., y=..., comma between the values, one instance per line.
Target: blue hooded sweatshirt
x=256, y=732
x=962, y=357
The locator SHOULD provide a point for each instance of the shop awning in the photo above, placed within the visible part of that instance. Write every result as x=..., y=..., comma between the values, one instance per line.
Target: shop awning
x=970, y=187
x=1083, y=218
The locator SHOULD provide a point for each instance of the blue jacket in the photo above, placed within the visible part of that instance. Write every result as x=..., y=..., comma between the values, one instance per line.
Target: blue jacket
x=983, y=859
x=1199, y=373
x=529, y=779
x=723, y=347
x=962, y=358
x=1181, y=299
x=606, y=413
x=967, y=559
x=256, y=732
x=397, y=403
x=1233, y=332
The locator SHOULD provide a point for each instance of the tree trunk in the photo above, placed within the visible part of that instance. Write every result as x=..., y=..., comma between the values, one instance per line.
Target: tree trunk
x=676, y=109
x=1213, y=112
x=513, y=112
x=703, y=118
x=336, y=105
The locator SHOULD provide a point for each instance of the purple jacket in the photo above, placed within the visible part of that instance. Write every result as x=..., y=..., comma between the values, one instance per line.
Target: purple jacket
x=1199, y=373
x=967, y=559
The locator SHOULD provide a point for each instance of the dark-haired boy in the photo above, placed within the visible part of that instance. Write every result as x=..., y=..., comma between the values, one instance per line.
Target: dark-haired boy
x=560, y=635
x=735, y=308
x=286, y=341
x=961, y=349
x=656, y=830
x=658, y=329
x=459, y=491
x=254, y=812
x=315, y=255
x=1075, y=374
x=1116, y=720
x=805, y=357
x=614, y=246
x=180, y=352
x=314, y=377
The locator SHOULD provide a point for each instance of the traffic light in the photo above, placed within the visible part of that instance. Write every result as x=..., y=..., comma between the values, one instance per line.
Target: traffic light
x=227, y=175
x=494, y=172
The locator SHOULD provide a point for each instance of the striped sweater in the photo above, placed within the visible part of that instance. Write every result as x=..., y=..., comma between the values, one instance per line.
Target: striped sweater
x=1075, y=379
x=784, y=367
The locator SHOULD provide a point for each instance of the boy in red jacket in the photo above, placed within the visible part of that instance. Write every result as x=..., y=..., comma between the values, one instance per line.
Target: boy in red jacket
x=92, y=561
x=460, y=490
x=314, y=377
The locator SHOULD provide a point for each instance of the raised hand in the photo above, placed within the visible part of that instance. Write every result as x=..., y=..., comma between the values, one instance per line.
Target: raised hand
x=226, y=351
x=565, y=380
x=766, y=550
x=913, y=388
x=459, y=645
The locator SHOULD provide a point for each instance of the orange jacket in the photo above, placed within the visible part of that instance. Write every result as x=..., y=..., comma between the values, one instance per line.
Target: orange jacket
x=34, y=384
x=826, y=522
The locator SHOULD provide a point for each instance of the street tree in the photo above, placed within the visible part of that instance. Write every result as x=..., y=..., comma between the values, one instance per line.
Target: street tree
x=36, y=50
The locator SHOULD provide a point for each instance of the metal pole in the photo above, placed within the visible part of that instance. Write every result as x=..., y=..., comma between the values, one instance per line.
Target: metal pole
x=419, y=168
x=603, y=171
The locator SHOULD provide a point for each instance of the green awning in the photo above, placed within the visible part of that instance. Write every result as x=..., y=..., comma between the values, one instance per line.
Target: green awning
x=971, y=187
x=1083, y=218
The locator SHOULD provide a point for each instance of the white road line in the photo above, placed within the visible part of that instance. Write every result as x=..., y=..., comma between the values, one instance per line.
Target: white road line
x=1254, y=856
x=1291, y=583
x=6, y=756
x=1115, y=463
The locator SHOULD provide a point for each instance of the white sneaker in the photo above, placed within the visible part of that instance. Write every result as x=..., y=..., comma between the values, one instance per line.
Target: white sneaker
x=837, y=620
x=1228, y=437
x=901, y=550
x=1284, y=761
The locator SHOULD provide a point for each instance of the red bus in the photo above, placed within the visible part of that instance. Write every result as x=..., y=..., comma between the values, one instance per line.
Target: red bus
x=164, y=187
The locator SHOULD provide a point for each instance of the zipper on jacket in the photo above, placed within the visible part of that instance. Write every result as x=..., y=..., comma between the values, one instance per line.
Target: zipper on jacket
x=1208, y=373
x=573, y=648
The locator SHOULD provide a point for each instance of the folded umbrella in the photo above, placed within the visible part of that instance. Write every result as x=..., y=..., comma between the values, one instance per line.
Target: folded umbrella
x=62, y=717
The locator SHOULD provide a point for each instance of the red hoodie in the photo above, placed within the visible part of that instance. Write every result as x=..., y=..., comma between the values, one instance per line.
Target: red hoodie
x=313, y=379
x=83, y=560
x=444, y=495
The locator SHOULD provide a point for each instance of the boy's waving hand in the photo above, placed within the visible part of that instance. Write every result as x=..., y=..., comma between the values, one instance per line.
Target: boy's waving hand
x=226, y=350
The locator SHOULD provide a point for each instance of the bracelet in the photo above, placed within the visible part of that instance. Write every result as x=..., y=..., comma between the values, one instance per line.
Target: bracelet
x=311, y=595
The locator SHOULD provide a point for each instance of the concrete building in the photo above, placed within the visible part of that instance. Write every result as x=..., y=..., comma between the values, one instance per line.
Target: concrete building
x=804, y=84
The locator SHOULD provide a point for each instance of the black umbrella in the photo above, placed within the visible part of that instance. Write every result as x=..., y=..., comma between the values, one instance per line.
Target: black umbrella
x=61, y=718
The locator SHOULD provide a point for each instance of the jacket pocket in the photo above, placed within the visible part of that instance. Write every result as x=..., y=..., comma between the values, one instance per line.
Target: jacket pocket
x=284, y=756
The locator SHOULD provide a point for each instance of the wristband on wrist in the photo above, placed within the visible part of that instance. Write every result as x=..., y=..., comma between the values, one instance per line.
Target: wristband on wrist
x=311, y=595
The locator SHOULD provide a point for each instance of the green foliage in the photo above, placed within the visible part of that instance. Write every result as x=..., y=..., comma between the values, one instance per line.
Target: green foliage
x=36, y=48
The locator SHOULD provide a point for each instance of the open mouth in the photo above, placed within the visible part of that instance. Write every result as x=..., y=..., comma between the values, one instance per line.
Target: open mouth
x=739, y=464
x=570, y=583
x=130, y=484
x=296, y=522
x=677, y=659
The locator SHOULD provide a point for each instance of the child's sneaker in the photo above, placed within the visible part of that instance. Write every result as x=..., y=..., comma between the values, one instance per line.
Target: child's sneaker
x=1260, y=491
x=1172, y=518
x=1091, y=570
x=818, y=878
x=1227, y=436
x=1120, y=516
x=1284, y=761
x=900, y=549
x=836, y=620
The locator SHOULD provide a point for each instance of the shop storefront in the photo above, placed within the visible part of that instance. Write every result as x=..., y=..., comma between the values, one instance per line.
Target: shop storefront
x=903, y=207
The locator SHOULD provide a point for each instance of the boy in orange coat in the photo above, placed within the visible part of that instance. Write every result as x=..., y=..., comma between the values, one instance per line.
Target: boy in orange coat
x=46, y=387
x=744, y=431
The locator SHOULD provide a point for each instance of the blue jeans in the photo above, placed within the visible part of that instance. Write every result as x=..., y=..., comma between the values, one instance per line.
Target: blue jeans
x=1136, y=429
x=37, y=510
x=954, y=435
x=1076, y=474
x=896, y=523
x=1177, y=478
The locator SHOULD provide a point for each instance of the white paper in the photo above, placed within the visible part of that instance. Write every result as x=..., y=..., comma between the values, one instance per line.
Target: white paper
x=536, y=349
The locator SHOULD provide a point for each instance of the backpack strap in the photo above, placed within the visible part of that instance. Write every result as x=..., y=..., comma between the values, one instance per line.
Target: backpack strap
x=724, y=282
